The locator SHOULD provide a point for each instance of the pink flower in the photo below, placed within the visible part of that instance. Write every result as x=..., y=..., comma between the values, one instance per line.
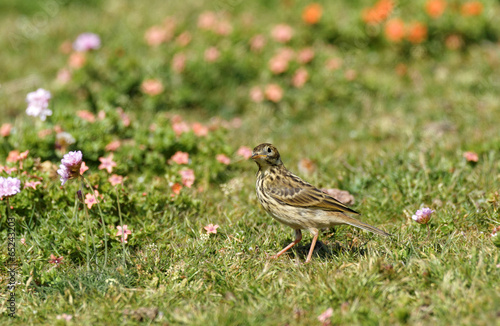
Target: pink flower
x=7, y=169
x=86, y=42
x=211, y=228
x=38, y=103
x=156, y=35
x=257, y=43
x=152, y=87
x=23, y=155
x=63, y=76
x=72, y=160
x=123, y=232
x=256, y=94
x=115, y=179
x=55, y=260
x=5, y=129
x=86, y=115
x=333, y=63
x=107, y=163
x=188, y=177
x=31, y=184
x=180, y=128
x=273, y=93
x=113, y=146
x=300, y=78
x=23, y=241
x=9, y=187
x=278, y=64
x=223, y=28
x=207, y=20
x=245, y=152
x=423, y=215
x=305, y=55
x=282, y=33
x=184, y=38
x=90, y=200
x=199, y=129
x=471, y=157
x=83, y=168
x=325, y=316
x=70, y=166
x=13, y=156
x=180, y=157
x=179, y=62
x=65, y=317
x=212, y=54
x=124, y=116
x=223, y=159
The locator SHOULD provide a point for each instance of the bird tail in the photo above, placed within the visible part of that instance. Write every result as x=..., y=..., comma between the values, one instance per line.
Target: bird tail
x=354, y=222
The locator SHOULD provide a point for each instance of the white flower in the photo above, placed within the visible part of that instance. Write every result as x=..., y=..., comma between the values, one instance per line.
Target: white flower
x=38, y=103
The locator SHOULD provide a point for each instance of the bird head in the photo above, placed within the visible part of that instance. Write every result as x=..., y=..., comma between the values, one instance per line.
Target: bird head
x=266, y=155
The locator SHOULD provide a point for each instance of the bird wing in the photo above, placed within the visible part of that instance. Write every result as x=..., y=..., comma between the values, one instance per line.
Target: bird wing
x=296, y=192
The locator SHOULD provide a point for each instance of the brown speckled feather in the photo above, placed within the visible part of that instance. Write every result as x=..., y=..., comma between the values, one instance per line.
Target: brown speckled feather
x=294, y=191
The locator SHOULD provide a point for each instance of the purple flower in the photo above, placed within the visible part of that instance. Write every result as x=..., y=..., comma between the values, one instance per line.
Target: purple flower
x=9, y=186
x=38, y=103
x=86, y=42
x=423, y=215
x=70, y=166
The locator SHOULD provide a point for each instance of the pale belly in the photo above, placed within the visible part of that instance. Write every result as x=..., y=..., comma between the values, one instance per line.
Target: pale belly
x=301, y=218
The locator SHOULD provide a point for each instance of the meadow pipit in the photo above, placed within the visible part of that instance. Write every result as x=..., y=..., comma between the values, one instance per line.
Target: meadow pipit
x=296, y=203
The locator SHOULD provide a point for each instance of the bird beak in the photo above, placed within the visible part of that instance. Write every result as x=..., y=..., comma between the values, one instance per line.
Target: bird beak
x=256, y=156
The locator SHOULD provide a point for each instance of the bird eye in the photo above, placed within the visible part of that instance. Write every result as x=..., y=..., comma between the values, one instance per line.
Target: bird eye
x=269, y=150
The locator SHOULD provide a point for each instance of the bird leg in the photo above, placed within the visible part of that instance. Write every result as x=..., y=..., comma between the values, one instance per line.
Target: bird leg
x=298, y=237
x=313, y=244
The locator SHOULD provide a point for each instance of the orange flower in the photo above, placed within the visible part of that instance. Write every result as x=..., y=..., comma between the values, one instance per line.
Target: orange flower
x=312, y=13
x=472, y=8
x=77, y=60
x=417, y=33
x=435, y=8
x=176, y=188
x=395, y=30
x=378, y=13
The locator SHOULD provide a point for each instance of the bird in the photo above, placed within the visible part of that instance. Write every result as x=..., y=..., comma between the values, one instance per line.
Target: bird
x=297, y=203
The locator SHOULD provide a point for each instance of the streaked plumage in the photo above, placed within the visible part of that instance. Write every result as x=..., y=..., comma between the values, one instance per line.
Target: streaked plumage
x=296, y=203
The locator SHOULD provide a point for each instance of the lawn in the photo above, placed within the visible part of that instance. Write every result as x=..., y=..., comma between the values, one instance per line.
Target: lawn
x=394, y=102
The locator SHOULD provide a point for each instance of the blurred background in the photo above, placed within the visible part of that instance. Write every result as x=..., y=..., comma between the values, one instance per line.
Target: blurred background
x=354, y=76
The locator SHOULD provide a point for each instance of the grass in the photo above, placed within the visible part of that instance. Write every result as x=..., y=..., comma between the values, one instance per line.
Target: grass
x=394, y=140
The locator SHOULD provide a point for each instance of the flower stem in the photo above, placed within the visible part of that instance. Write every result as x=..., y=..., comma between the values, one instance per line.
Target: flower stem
x=103, y=226
x=86, y=232
x=121, y=223
x=89, y=229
